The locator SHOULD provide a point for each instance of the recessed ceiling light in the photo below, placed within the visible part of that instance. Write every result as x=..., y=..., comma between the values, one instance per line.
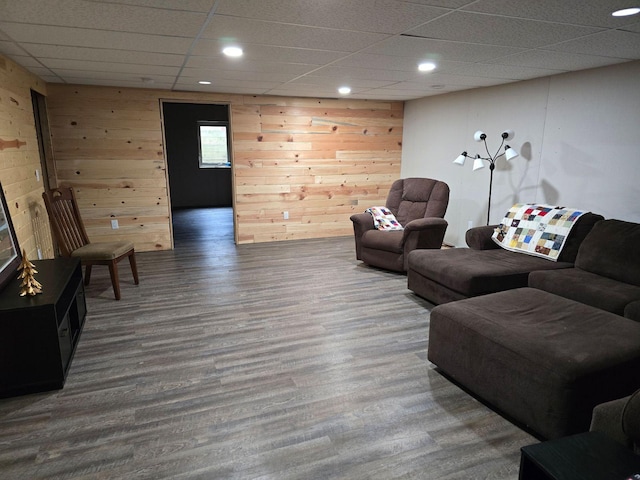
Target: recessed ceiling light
x=626, y=12
x=204, y=82
x=232, y=51
x=426, y=66
x=344, y=90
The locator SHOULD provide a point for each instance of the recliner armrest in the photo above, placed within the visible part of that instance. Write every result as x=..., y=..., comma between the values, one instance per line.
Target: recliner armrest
x=363, y=221
x=424, y=224
x=479, y=238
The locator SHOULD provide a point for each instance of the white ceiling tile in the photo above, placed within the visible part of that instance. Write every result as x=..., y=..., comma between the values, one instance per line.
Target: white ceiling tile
x=554, y=60
x=224, y=83
x=61, y=64
x=73, y=76
x=390, y=62
x=104, y=16
x=429, y=49
x=40, y=71
x=440, y=3
x=512, y=72
x=253, y=67
x=206, y=48
x=186, y=5
x=444, y=79
x=386, y=16
x=103, y=55
x=334, y=82
x=496, y=30
x=25, y=61
x=243, y=31
x=11, y=48
x=114, y=82
x=95, y=38
x=363, y=73
x=196, y=74
x=595, y=13
x=612, y=43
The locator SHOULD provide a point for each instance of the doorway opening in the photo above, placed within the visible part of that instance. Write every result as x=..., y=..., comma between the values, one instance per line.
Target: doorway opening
x=199, y=168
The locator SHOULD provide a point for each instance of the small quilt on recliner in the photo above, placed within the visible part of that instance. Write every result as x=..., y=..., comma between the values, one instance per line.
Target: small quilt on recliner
x=536, y=229
x=383, y=219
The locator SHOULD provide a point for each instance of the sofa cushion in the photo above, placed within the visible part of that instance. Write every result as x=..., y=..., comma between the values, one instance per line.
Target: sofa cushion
x=478, y=272
x=611, y=249
x=586, y=287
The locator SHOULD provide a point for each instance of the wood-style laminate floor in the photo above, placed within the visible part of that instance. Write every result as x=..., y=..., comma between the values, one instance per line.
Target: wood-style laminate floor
x=287, y=360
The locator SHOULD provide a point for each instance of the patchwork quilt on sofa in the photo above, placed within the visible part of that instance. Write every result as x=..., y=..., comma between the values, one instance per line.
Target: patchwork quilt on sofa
x=536, y=229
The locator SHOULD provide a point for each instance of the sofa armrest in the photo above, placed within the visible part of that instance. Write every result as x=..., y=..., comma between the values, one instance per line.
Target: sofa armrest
x=619, y=420
x=423, y=233
x=632, y=311
x=479, y=238
x=631, y=420
x=607, y=419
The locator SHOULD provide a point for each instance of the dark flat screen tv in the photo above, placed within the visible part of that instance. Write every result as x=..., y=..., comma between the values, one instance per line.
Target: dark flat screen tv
x=10, y=256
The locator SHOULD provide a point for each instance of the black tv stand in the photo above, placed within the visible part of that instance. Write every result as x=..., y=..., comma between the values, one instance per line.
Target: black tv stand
x=40, y=333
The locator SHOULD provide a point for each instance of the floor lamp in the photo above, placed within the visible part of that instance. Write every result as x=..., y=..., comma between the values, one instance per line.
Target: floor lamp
x=478, y=161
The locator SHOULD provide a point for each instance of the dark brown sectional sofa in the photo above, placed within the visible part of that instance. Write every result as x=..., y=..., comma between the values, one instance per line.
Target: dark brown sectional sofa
x=547, y=352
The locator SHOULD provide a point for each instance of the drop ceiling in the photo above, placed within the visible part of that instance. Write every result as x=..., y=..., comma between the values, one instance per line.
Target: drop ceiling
x=312, y=47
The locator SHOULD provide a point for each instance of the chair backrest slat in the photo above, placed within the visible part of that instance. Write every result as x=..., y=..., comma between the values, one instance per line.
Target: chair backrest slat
x=65, y=220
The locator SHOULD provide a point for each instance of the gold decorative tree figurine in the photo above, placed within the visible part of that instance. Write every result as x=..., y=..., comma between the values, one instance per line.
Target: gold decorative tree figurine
x=29, y=286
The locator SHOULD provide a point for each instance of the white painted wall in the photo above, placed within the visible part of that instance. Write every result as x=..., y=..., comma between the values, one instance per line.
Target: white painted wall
x=578, y=135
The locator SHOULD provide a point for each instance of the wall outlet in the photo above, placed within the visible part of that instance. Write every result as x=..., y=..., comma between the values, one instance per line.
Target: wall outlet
x=285, y=215
x=114, y=224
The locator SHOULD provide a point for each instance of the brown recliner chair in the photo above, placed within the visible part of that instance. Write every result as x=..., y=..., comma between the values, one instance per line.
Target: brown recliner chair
x=419, y=204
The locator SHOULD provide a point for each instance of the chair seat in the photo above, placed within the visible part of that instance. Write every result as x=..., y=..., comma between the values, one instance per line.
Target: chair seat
x=387, y=240
x=102, y=250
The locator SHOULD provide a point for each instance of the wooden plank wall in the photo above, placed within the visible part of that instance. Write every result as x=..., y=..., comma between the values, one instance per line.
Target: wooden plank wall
x=20, y=158
x=320, y=160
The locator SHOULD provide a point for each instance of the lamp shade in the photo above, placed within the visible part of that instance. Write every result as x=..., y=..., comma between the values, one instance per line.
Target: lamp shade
x=479, y=136
x=509, y=153
x=508, y=135
x=460, y=159
x=478, y=164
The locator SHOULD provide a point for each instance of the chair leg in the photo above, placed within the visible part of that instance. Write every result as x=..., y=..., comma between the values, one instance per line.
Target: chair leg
x=87, y=274
x=134, y=267
x=113, y=270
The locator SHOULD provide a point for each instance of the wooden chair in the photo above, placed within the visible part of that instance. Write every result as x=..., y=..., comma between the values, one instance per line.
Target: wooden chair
x=73, y=241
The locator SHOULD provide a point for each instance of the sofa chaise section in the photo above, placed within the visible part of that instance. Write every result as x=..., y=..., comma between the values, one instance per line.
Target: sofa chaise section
x=443, y=276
